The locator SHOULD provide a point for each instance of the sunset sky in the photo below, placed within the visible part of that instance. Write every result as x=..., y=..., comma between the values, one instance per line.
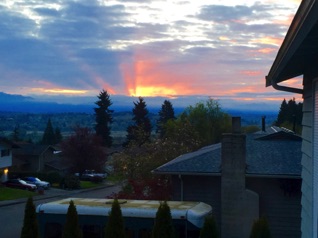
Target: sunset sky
x=221, y=49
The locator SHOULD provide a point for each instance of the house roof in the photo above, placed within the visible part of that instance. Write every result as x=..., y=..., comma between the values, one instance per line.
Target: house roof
x=299, y=46
x=32, y=149
x=264, y=157
x=8, y=142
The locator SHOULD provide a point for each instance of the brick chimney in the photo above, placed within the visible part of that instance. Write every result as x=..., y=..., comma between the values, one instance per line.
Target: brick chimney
x=239, y=206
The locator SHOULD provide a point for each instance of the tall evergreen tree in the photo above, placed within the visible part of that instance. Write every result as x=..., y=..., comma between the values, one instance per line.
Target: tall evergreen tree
x=163, y=222
x=58, y=135
x=48, y=136
x=290, y=115
x=104, y=118
x=140, y=132
x=30, y=225
x=166, y=113
x=16, y=133
x=115, y=225
x=71, y=227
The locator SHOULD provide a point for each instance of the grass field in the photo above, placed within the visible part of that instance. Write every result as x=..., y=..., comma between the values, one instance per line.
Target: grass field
x=10, y=193
x=89, y=184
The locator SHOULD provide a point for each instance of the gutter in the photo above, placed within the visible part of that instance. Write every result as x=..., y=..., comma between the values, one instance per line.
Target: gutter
x=286, y=89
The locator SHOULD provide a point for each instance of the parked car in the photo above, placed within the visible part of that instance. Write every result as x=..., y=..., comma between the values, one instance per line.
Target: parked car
x=91, y=175
x=39, y=183
x=19, y=183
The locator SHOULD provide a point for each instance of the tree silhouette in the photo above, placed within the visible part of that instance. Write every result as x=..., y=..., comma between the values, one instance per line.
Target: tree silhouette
x=30, y=225
x=104, y=118
x=140, y=132
x=290, y=115
x=209, y=229
x=163, y=222
x=71, y=227
x=209, y=120
x=48, y=136
x=260, y=229
x=166, y=113
x=115, y=225
x=58, y=135
x=83, y=150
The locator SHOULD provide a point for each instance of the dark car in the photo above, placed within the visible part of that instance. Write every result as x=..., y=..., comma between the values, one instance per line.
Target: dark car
x=39, y=183
x=19, y=183
x=91, y=175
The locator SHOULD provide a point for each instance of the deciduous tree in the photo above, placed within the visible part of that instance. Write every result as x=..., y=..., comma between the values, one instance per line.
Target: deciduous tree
x=30, y=226
x=104, y=118
x=209, y=120
x=83, y=150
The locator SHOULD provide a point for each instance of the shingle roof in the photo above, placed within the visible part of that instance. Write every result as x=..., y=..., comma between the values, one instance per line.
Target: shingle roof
x=203, y=161
x=32, y=149
x=268, y=157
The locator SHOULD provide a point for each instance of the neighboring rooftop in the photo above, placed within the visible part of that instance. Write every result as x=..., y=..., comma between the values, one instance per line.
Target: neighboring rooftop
x=271, y=153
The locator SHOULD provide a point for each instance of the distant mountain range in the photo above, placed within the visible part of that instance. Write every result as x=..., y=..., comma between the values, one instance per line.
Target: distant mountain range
x=64, y=104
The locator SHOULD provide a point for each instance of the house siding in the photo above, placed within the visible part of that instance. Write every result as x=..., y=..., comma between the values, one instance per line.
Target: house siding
x=200, y=188
x=280, y=208
x=308, y=226
x=5, y=161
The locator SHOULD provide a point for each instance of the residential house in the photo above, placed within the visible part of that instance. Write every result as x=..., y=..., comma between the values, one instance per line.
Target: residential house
x=298, y=56
x=5, y=157
x=33, y=158
x=243, y=178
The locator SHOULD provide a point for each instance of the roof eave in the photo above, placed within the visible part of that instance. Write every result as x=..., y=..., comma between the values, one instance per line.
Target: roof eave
x=297, y=32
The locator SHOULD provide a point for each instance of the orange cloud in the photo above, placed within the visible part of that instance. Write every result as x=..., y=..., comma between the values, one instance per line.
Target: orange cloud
x=148, y=76
x=58, y=91
x=251, y=73
x=266, y=50
x=268, y=41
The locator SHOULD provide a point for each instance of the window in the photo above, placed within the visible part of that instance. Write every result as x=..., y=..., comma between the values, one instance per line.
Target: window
x=5, y=152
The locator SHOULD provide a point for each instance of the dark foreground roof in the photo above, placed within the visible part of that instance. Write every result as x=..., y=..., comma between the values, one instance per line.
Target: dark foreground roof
x=268, y=157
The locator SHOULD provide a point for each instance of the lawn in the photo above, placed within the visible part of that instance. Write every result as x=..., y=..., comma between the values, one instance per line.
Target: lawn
x=10, y=193
x=89, y=184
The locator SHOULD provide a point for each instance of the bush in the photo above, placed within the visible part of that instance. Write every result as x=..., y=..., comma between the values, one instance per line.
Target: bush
x=115, y=225
x=54, y=177
x=209, y=228
x=70, y=182
x=30, y=225
x=260, y=229
x=72, y=228
x=163, y=222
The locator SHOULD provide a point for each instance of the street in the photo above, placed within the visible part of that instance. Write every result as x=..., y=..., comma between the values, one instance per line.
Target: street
x=11, y=217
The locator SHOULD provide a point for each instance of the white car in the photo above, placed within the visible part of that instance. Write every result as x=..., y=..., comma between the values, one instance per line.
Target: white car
x=39, y=183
